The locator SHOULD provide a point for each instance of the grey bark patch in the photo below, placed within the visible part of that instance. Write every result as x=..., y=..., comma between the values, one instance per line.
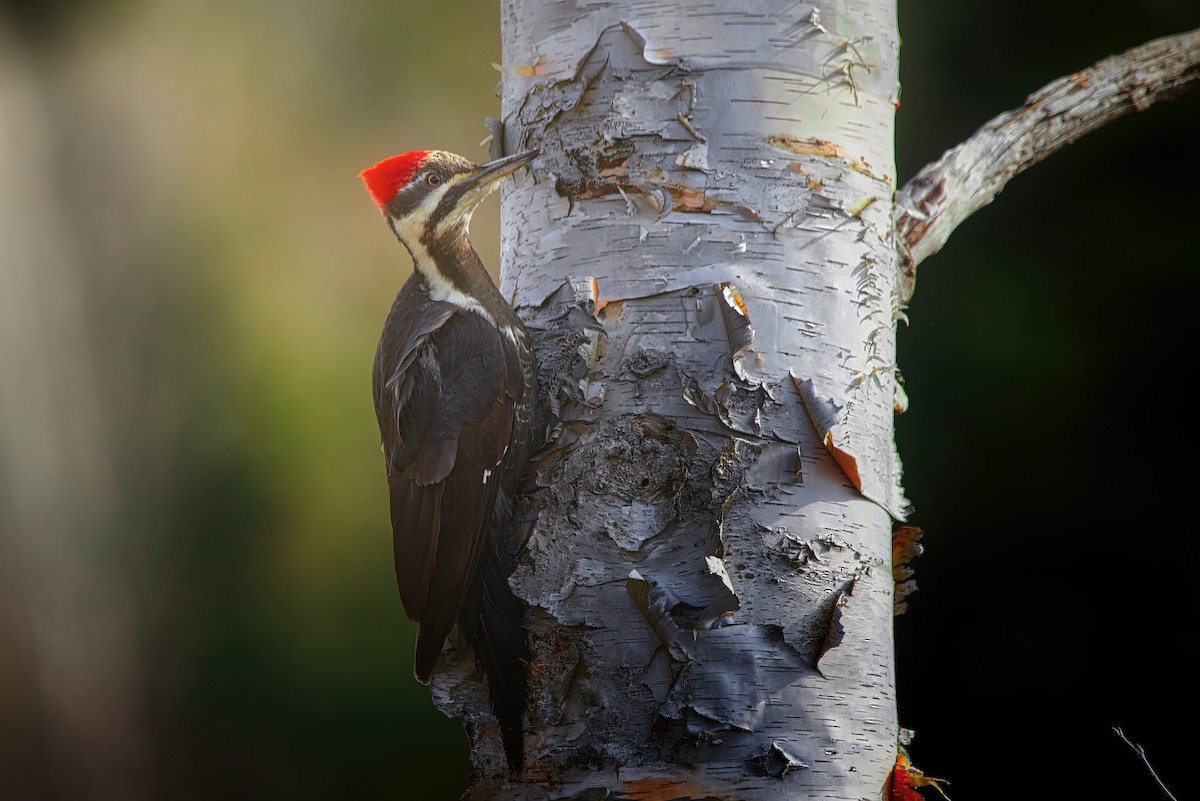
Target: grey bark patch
x=569, y=344
x=776, y=760
x=736, y=457
x=739, y=406
x=645, y=497
x=646, y=362
x=616, y=486
x=723, y=681
x=649, y=120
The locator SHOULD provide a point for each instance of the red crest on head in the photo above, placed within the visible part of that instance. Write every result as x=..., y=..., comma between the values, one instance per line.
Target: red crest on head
x=384, y=179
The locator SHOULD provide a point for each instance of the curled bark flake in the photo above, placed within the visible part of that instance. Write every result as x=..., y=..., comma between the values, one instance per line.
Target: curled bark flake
x=861, y=206
x=846, y=460
x=495, y=137
x=834, y=630
x=721, y=313
x=795, y=552
x=903, y=590
x=695, y=157
x=695, y=396
x=773, y=471
x=716, y=567
x=899, y=396
x=656, y=604
x=594, y=290
x=659, y=677
x=676, y=618
x=652, y=55
x=906, y=780
x=746, y=361
x=816, y=634
x=735, y=458
x=878, y=482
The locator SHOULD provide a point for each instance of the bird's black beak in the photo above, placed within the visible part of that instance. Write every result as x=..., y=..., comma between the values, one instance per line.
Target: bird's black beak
x=488, y=176
x=465, y=193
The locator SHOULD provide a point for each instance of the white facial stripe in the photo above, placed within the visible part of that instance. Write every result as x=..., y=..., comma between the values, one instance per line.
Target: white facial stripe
x=440, y=287
x=465, y=207
x=410, y=228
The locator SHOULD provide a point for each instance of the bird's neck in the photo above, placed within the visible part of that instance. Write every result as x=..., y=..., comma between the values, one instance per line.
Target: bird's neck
x=454, y=273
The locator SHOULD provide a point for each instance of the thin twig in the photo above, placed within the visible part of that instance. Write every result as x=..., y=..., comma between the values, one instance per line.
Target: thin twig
x=1141, y=752
x=967, y=177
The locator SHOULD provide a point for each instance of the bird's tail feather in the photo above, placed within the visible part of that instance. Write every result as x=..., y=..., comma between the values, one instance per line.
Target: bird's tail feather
x=503, y=651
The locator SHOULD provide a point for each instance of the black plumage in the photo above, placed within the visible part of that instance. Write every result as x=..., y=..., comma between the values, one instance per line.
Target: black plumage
x=455, y=386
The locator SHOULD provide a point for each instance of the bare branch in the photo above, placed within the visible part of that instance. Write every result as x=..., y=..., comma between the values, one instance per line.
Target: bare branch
x=967, y=177
x=1141, y=752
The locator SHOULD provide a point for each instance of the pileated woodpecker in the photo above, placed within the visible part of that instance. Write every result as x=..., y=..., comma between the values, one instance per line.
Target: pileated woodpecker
x=455, y=386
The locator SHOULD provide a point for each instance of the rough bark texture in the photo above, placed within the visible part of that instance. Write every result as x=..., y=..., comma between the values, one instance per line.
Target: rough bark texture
x=706, y=251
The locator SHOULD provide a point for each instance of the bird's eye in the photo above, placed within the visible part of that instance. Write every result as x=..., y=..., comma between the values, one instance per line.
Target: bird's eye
x=434, y=179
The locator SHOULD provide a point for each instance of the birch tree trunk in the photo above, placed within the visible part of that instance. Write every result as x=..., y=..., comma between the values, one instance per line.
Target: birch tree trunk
x=707, y=253
x=706, y=249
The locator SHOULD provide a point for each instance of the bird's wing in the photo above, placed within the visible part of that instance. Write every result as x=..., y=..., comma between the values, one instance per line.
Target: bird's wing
x=445, y=418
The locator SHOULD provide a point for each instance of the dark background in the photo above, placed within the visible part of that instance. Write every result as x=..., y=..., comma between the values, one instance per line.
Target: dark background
x=196, y=162
x=1050, y=444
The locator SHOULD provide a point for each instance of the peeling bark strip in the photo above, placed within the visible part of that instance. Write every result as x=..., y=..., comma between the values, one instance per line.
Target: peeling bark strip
x=906, y=546
x=968, y=177
x=711, y=593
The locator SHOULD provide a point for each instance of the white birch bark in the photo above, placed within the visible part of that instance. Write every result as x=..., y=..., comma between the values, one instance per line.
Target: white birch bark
x=706, y=250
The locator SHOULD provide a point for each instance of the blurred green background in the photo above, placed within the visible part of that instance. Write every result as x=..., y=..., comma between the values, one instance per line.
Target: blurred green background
x=195, y=575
